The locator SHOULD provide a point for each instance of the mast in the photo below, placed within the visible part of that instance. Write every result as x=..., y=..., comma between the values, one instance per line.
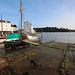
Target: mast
x=1, y=24
x=21, y=10
x=31, y=22
x=19, y=25
x=24, y=26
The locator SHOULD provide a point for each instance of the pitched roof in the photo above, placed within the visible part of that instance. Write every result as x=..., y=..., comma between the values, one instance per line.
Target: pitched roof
x=5, y=21
x=13, y=25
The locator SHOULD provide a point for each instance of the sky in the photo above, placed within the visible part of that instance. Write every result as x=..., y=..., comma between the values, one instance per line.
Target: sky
x=42, y=13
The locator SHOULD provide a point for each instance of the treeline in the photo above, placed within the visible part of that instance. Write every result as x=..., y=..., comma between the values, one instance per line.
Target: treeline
x=53, y=29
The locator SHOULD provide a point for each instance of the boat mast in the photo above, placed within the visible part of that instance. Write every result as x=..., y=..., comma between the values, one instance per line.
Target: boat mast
x=31, y=22
x=19, y=25
x=21, y=10
x=1, y=24
x=24, y=26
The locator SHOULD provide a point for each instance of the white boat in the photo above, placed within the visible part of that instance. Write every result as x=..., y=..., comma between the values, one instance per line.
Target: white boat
x=28, y=37
x=33, y=38
x=30, y=32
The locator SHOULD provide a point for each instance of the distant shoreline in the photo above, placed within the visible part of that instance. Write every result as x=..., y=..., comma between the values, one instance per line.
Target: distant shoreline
x=53, y=29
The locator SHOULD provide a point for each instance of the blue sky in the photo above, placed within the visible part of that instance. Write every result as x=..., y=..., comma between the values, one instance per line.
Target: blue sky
x=45, y=13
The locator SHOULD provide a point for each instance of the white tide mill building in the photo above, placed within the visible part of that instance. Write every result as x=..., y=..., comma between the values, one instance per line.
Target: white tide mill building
x=28, y=27
x=6, y=26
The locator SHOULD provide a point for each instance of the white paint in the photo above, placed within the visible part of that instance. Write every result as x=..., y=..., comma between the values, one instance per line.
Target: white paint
x=28, y=27
x=7, y=27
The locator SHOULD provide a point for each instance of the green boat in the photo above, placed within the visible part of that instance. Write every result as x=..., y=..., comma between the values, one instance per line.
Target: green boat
x=13, y=36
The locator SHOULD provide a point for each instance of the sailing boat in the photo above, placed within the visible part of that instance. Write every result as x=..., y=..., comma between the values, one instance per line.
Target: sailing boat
x=2, y=37
x=29, y=38
x=11, y=36
x=20, y=39
x=30, y=32
x=21, y=36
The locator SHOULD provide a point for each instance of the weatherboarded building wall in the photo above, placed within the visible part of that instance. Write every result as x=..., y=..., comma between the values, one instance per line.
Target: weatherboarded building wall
x=6, y=26
x=28, y=27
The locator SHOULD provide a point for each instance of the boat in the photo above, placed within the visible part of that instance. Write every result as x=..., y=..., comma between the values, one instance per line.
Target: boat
x=2, y=38
x=9, y=37
x=19, y=39
x=30, y=32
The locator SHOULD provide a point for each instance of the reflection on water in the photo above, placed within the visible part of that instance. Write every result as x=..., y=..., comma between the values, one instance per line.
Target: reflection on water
x=67, y=37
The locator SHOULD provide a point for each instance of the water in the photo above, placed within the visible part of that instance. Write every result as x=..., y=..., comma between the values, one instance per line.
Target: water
x=66, y=37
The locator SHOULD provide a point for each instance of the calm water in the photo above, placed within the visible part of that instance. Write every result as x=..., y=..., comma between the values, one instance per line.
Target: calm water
x=67, y=37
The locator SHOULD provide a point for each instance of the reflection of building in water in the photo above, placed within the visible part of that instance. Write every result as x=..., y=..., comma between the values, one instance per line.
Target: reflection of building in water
x=6, y=26
x=28, y=27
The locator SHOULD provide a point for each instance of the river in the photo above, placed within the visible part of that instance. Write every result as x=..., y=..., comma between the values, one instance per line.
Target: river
x=65, y=37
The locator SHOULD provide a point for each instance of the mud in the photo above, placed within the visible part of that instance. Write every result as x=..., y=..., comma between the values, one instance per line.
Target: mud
x=45, y=62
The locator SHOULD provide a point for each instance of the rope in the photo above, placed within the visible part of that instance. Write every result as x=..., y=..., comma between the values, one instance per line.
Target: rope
x=25, y=55
x=16, y=47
